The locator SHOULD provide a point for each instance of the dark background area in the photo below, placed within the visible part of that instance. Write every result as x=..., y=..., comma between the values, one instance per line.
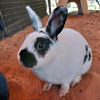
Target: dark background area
x=14, y=17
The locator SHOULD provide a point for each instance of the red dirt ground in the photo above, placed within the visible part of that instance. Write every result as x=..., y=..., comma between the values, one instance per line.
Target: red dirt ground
x=24, y=85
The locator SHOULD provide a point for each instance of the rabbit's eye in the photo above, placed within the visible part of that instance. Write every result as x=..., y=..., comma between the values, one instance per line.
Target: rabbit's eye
x=41, y=46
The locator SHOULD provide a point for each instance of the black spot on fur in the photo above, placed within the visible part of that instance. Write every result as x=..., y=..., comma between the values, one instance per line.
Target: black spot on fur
x=86, y=47
x=42, y=32
x=42, y=45
x=89, y=56
x=85, y=58
x=28, y=59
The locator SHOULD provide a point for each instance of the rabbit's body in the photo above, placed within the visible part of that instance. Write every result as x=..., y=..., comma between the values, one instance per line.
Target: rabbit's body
x=69, y=62
x=56, y=55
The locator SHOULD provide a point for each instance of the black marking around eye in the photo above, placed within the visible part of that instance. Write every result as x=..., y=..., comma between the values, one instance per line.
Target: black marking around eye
x=44, y=41
x=28, y=59
x=87, y=55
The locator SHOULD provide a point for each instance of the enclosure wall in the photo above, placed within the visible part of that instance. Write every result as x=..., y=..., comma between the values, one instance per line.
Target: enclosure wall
x=14, y=13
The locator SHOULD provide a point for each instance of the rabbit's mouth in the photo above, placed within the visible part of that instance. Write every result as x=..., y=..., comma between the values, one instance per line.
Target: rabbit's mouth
x=27, y=59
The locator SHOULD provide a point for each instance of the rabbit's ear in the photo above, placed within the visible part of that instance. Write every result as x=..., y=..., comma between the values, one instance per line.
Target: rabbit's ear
x=56, y=21
x=36, y=23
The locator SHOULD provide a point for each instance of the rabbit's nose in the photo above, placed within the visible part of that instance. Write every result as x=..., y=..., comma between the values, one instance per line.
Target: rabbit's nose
x=27, y=59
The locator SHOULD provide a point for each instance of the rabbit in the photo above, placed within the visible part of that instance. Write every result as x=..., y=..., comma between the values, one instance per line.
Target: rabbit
x=57, y=55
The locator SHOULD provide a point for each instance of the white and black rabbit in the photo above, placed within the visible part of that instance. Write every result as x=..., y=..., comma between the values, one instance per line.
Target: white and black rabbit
x=55, y=54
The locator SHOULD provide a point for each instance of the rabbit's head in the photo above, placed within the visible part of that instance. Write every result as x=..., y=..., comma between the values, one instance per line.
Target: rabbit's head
x=39, y=47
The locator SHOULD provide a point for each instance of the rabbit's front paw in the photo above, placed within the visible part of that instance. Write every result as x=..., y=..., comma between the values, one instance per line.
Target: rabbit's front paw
x=76, y=80
x=63, y=90
x=47, y=86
